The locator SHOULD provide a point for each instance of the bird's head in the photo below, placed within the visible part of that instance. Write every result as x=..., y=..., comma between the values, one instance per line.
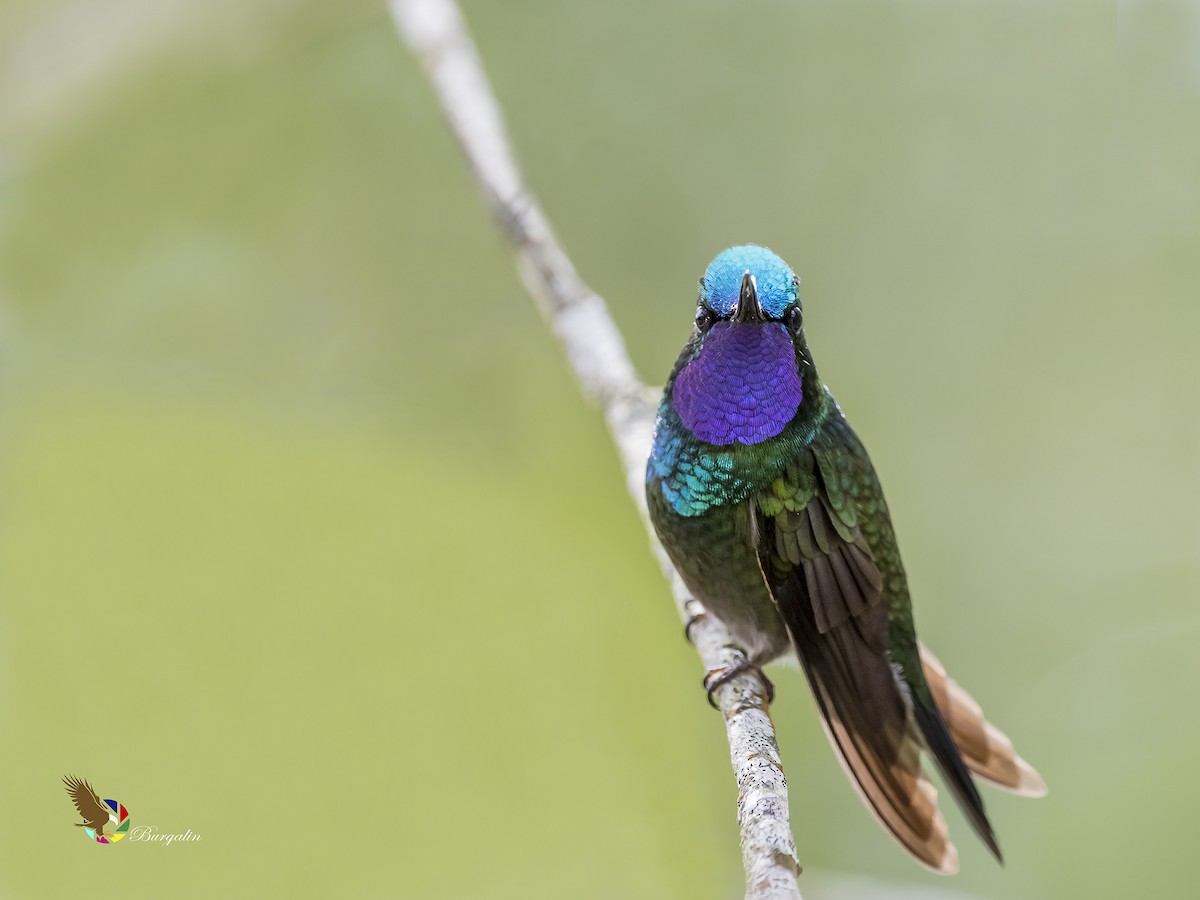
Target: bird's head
x=742, y=378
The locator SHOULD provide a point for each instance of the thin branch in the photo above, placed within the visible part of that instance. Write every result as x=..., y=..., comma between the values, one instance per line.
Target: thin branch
x=437, y=34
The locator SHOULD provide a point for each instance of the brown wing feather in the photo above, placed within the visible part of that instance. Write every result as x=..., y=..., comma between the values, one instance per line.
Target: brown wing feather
x=867, y=723
x=831, y=603
x=87, y=803
x=986, y=750
x=841, y=578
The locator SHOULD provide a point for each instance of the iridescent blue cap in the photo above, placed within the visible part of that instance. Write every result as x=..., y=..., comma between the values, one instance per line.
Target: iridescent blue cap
x=722, y=282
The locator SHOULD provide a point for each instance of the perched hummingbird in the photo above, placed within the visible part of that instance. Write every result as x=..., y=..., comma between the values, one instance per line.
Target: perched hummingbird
x=769, y=507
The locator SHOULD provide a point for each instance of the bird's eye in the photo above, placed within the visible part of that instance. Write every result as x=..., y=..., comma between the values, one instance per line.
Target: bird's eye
x=795, y=320
x=704, y=318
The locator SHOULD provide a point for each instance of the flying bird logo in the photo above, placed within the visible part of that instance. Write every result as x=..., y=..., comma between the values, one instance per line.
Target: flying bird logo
x=97, y=813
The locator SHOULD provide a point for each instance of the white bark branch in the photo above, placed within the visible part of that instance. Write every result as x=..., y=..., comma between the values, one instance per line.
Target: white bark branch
x=437, y=34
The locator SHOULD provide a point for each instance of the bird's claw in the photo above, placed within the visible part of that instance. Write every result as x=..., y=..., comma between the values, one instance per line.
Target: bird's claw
x=692, y=620
x=715, y=678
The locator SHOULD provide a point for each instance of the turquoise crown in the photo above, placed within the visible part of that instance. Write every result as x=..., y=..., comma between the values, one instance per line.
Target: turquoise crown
x=775, y=280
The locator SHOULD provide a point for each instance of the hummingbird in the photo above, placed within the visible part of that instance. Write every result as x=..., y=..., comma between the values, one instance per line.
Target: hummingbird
x=768, y=505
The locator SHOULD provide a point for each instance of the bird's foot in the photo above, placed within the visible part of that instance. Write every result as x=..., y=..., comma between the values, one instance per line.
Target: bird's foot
x=720, y=676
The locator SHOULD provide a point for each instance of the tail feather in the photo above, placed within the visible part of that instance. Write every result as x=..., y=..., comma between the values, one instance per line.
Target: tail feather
x=985, y=749
x=954, y=772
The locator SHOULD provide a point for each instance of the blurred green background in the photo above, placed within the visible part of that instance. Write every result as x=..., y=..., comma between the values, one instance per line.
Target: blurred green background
x=308, y=544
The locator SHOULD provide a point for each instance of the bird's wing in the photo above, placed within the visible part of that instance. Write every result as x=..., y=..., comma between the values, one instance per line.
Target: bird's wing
x=86, y=801
x=854, y=493
x=986, y=750
x=830, y=593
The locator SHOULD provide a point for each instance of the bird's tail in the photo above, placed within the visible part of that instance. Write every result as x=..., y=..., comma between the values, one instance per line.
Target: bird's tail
x=985, y=749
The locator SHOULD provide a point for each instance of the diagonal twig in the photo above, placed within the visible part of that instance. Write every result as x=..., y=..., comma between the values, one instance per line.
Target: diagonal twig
x=436, y=32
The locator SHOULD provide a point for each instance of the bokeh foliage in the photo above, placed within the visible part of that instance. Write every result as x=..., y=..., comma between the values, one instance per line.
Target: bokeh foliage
x=307, y=543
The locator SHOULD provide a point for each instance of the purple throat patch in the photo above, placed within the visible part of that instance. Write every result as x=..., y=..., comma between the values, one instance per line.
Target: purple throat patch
x=744, y=386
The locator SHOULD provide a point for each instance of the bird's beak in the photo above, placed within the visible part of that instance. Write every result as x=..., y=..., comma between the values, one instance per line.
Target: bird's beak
x=748, y=309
